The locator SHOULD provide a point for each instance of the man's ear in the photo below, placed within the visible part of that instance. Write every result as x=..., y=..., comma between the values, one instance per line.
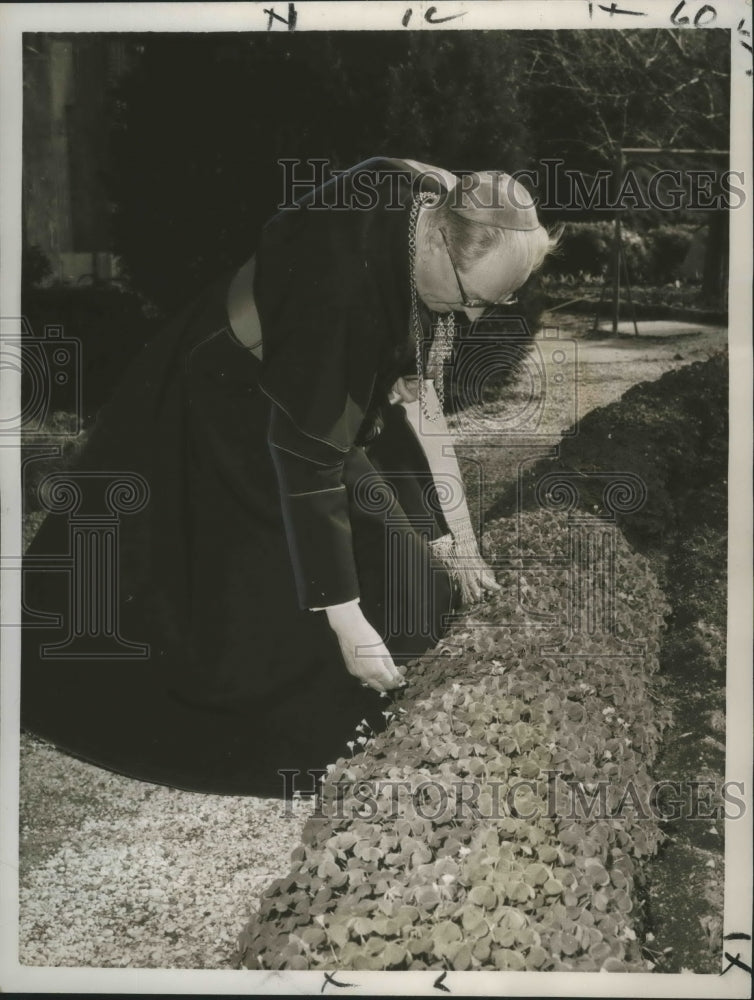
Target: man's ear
x=435, y=242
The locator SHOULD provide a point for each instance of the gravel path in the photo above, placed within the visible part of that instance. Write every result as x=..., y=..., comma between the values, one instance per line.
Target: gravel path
x=121, y=873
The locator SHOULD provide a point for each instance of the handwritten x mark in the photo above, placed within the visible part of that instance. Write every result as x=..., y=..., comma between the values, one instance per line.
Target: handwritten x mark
x=735, y=961
x=332, y=981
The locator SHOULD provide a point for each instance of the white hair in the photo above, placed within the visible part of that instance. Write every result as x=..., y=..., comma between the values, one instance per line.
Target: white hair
x=524, y=250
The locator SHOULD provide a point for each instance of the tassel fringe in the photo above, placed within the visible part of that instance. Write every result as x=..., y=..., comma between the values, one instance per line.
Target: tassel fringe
x=459, y=553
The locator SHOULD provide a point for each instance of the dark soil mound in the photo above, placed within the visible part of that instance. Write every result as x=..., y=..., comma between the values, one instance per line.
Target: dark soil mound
x=673, y=435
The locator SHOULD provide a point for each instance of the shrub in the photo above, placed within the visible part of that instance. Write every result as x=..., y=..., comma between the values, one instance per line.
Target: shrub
x=36, y=268
x=377, y=883
x=52, y=449
x=667, y=248
x=584, y=248
x=636, y=253
x=654, y=256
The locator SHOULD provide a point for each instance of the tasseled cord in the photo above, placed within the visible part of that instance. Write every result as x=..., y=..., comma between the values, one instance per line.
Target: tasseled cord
x=459, y=553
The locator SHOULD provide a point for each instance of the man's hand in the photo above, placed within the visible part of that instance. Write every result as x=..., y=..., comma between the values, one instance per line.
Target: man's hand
x=482, y=581
x=364, y=653
x=406, y=389
x=474, y=577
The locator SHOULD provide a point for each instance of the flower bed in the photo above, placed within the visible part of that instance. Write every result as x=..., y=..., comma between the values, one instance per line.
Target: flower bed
x=673, y=435
x=581, y=294
x=454, y=838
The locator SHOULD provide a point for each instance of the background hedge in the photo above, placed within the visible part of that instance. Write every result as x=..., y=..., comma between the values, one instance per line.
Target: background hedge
x=654, y=256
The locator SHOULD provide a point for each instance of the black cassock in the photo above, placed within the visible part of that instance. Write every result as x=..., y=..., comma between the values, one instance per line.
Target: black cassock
x=267, y=485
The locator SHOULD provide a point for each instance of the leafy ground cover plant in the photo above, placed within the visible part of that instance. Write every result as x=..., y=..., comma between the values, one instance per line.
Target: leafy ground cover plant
x=455, y=838
x=673, y=434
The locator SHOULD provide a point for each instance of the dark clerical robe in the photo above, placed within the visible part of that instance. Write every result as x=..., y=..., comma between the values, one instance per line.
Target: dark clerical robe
x=272, y=487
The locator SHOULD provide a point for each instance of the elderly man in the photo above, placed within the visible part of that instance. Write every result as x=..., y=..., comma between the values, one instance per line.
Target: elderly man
x=290, y=427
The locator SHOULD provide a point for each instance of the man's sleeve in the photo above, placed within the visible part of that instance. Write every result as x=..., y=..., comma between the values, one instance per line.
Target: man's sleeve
x=313, y=291
x=314, y=503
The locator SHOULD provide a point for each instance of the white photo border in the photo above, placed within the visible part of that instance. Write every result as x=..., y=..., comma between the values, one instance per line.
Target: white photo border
x=735, y=15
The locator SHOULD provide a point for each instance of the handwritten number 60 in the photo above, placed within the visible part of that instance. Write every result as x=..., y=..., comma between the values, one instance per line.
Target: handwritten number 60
x=703, y=17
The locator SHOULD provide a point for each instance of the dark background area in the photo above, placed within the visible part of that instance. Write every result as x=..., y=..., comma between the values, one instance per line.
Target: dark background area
x=151, y=161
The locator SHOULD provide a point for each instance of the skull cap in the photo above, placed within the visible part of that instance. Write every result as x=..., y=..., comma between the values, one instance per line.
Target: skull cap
x=492, y=198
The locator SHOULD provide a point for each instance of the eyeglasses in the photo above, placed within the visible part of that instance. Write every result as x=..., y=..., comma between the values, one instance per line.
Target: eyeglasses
x=466, y=300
